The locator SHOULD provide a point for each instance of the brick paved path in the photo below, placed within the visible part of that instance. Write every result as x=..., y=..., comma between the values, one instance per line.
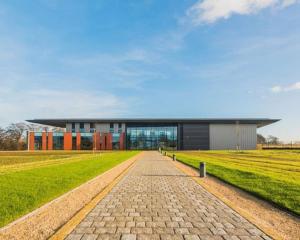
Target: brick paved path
x=157, y=201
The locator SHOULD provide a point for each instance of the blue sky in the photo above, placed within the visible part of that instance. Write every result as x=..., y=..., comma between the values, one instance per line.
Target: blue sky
x=185, y=58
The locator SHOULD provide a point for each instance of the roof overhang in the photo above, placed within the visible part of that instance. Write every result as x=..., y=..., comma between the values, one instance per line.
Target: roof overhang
x=61, y=122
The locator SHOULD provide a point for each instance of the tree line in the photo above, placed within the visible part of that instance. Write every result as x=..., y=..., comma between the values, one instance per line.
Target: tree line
x=14, y=137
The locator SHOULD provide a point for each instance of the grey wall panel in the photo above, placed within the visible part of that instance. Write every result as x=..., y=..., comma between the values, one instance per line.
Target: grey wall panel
x=69, y=127
x=116, y=127
x=77, y=127
x=232, y=136
x=195, y=136
x=123, y=127
x=87, y=127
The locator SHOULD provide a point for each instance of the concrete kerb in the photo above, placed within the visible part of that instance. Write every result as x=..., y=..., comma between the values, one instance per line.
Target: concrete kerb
x=192, y=172
x=43, y=222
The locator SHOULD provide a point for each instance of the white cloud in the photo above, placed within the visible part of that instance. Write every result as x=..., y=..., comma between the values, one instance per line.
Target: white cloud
x=276, y=89
x=209, y=11
x=292, y=87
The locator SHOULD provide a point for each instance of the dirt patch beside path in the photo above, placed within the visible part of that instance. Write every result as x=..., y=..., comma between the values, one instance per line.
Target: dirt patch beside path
x=46, y=220
x=276, y=223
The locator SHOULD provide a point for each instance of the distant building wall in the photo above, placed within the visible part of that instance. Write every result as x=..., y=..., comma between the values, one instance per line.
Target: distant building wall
x=195, y=136
x=231, y=136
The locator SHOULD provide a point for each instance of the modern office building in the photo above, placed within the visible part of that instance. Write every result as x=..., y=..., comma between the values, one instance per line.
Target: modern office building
x=147, y=134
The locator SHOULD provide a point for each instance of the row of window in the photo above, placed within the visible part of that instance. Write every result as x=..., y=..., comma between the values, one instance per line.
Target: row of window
x=86, y=141
x=93, y=128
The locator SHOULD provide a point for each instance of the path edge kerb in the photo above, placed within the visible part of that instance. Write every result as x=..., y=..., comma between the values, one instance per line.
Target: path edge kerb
x=186, y=169
x=44, y=222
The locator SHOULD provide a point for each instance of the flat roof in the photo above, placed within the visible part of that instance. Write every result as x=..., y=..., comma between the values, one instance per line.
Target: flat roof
x=61, y=122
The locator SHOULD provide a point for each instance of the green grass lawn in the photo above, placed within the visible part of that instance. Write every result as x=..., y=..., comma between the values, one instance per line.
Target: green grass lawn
x=271, y=175
x=29, y=180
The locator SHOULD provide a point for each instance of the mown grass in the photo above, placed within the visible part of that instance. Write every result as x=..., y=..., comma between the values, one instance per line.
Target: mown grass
x=9, y=158
x=23, y=188
x=271, y=175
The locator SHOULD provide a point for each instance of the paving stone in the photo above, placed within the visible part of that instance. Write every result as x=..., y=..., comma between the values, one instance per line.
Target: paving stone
x=171, y=237
x=155, y=200
x=89, y=237
x=148, y=237
x=128, y=237
x=191, y=237
x=182, y=231
x=74, y=236
x=141, y=230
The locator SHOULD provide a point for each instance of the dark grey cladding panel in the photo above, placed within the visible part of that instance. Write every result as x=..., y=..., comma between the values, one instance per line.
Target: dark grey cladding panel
x=195, y=136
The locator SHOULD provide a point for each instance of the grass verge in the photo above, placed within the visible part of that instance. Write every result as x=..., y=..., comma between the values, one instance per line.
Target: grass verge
x=274, y=177
x=26, y=189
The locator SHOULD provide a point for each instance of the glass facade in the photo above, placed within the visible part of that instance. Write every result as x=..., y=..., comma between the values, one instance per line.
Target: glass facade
x=38, y=141
x=116, y=141
x=151, y=137
x=86, y=142
x=74, y=141
x=58, y=141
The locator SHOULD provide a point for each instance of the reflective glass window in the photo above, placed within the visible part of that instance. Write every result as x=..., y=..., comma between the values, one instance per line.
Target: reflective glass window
x=151, y=137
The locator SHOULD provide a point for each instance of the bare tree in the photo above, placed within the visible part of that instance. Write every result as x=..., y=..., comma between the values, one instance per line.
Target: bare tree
x=261, y=139
x=273, y=140
x=14, y=137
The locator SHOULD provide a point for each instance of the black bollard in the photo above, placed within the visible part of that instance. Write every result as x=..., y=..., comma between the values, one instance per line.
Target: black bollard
x=202, y=169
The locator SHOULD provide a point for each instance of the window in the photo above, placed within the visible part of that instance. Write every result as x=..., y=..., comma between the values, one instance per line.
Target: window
x=58, y=141
x=119, y=127
x=116, y=141
x=73, y=127
x=81, y=126
x=38, y=141
x=86, y=142
x=111, y=128
x=74, y=141
x=92, y=127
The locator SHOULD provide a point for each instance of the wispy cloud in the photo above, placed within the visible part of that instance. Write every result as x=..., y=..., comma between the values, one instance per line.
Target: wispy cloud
x=292, y=87
x=209, y=11
x=39, y=103
x=130, y=69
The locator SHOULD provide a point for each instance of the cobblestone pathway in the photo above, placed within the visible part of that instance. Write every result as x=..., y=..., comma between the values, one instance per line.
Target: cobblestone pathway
x=157, y=201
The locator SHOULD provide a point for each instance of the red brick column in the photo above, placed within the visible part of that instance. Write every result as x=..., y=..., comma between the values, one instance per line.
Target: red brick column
x=50, y=140
x=96, y=141
x=122, y=141
x=67, y=141
x=31, y=141
x=103, y=141
x=44, y=141
x=78, y=141
x=109, y=141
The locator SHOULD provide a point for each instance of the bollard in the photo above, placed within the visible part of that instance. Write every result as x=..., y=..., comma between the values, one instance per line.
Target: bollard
x=202, y=169
x=174, y=157
x=165, y=153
